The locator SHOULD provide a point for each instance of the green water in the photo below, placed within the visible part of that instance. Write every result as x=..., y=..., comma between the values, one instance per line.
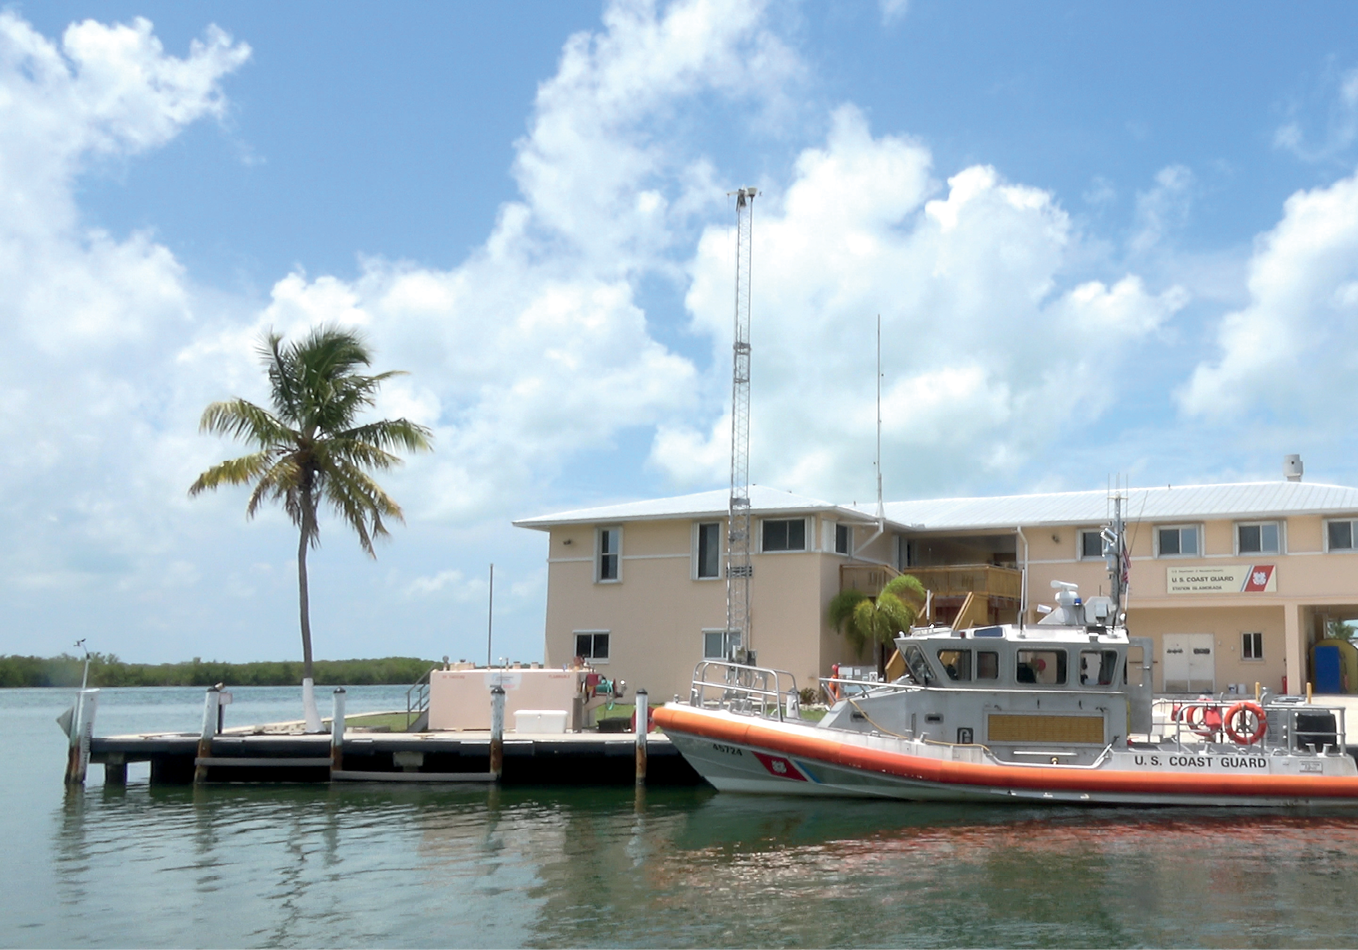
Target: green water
x=417, y=866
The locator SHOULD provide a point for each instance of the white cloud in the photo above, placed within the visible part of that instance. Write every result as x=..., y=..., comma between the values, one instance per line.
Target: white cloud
x=988, y=348
x=1341, y=123
x=893, y=10
x=1287, y=347
x=1162, y=209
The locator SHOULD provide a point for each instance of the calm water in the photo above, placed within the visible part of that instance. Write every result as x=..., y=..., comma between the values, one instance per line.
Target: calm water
x=349, y=866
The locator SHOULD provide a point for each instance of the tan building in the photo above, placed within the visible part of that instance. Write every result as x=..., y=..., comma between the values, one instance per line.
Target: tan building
x=1234, y=583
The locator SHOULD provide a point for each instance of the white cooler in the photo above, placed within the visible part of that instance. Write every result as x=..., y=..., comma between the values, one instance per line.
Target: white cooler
x=540, y=721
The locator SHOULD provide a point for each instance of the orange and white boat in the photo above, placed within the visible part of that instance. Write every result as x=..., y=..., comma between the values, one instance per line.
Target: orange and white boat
x=1060, y=712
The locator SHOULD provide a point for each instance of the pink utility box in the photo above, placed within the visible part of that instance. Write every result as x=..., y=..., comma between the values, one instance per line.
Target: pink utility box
x=460, y=698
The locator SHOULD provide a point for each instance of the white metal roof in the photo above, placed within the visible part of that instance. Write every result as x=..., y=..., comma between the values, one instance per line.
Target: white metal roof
x=1171, y=503
x=1168, y=504
x=712, y=504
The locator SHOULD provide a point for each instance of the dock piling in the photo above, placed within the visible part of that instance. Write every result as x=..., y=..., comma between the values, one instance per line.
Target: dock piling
x=497, y=731
x=337, y=732
x=211, y=704
x=643, y=727
x=82, y=729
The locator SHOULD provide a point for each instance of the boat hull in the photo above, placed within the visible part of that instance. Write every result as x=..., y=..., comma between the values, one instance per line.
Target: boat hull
x=750, y=755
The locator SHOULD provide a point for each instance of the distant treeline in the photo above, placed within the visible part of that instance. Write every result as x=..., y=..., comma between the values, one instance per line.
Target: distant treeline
x=108, y=670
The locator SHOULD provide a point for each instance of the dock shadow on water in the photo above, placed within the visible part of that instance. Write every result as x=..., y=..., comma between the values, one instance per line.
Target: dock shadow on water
x=419, y=866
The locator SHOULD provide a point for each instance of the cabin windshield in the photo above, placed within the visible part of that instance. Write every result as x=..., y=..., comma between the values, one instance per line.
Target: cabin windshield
x=1098, y=667
x=919, y=665
x=957, y=664
x=1041, y=667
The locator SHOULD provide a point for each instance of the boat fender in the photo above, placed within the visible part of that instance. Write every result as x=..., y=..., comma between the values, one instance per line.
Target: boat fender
x=1237, y=722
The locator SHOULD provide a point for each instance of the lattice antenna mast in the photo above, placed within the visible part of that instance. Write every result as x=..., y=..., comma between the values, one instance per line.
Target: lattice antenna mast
x=738, y=565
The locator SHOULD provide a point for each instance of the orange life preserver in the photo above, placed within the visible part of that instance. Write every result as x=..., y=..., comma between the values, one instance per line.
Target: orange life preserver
x=831, y=687
x=1238, y=712
x=1203, y=719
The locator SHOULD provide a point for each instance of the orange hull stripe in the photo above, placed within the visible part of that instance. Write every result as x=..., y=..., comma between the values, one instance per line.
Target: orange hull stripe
x=936, y=771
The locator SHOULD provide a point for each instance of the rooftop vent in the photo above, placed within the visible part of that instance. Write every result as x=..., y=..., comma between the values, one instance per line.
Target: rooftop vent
x=1292, y=468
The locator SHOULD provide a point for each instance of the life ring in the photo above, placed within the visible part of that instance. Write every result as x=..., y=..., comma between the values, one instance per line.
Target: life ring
x=1239, y=714
x=650, y=719
x=1203, y=719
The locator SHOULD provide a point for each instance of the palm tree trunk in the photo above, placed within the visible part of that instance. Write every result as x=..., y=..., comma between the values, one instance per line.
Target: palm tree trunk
x=309, y=711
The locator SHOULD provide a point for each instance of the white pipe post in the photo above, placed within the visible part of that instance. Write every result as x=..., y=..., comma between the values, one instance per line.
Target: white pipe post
x=643, y=724
x=497, y=730
x=337, y=732
x=82, y=730
x=210, y=706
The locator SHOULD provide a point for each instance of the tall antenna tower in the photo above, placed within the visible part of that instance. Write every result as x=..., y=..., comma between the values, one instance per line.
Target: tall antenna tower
x=738, y=565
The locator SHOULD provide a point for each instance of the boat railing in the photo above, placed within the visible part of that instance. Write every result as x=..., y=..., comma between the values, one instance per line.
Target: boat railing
x=749, y=690
x=1277, y=724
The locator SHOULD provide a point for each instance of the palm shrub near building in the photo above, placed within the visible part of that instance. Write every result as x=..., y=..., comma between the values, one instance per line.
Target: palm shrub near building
x=310, y=449
x=865, y=620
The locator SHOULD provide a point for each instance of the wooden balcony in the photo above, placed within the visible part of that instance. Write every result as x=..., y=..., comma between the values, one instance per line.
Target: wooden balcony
x=958, y=580
x=868, y=578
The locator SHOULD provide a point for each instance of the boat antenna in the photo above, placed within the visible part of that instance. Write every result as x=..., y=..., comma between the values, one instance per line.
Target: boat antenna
x=1116, y=556
x=881, y=506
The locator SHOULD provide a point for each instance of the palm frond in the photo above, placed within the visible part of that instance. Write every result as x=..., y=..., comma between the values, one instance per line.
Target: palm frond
x=239, y=471
x=244, y=421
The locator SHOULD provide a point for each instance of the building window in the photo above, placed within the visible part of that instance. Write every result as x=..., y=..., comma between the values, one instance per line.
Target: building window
x=1259, y=538
x=1091, y=545
x=1251, y=646
x=720, y=644
x=1339, y=535
x=1177, y=541
x=592, y=645
x=610, y=553
x=707, y=554
x=784, y=535
x=843, y=539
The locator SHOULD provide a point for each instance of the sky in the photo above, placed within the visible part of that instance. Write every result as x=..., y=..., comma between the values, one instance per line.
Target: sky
x=1105, y=242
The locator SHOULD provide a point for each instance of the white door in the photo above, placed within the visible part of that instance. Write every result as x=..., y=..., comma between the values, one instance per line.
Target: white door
x=1188, y=663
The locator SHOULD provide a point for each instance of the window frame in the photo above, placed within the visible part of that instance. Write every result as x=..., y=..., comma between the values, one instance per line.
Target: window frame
x=600, y=533
x=726, y=635
x=1278, y=528
x=763, y=530
x=1329, y=548
x=1257, y=636
x=847, y=530
x=593, y=635
x=698, y=574
x=1080, y=554
x=1197, y=532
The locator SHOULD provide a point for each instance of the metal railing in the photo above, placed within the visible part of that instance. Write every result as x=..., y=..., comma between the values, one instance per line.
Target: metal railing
x=749, y=690
x=1287, y=724
x=417, y=698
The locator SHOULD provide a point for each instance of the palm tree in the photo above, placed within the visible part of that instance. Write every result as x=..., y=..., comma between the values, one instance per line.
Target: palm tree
x=309, y=449
x=863, y=619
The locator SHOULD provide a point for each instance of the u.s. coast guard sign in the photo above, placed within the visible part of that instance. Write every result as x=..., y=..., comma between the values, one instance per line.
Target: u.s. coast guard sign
x=1228, y=579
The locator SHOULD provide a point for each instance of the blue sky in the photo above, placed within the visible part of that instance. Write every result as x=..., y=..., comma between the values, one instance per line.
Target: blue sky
x=1105, y=241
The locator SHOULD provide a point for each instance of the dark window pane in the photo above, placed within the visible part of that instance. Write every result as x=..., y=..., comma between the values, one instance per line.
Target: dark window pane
x=1249, y=539
x=600, y=646
x=709, y=550
x=785, y=535
x=1169, y=540
x=1341, y=535
x=841, y=539
x=1091, y=544
x=584, y=644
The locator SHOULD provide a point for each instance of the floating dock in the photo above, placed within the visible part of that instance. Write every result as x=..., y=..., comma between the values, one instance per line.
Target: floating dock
x=262, y=754
x=569, y=759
